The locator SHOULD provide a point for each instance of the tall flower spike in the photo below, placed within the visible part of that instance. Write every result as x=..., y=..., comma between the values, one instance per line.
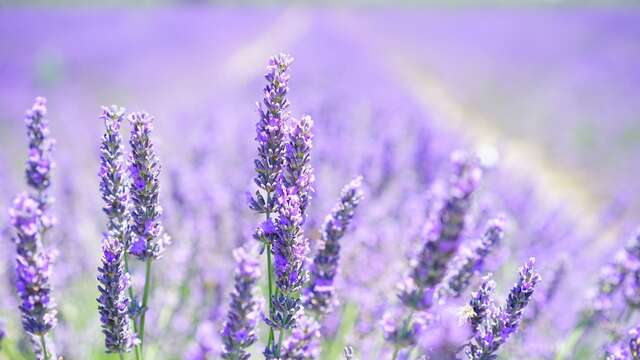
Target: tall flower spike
x=148, y=236
x=471, y=261
x=33, y=267
x=40, y=161
x=290, y=246
x=239, y=330
x=114, y=281
x=270, y=133
x=319, y=294
x=500, y=325
x=443, y=234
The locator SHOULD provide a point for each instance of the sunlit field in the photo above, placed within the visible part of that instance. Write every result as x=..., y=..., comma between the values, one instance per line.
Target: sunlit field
x=408, y=182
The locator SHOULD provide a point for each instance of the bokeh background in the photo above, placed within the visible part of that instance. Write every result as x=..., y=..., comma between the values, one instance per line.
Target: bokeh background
x=549, y=91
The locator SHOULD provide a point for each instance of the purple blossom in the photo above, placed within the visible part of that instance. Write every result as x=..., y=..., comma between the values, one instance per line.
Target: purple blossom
x=148, y=236
x=480, y=305
x=114, y=281
x=634, y=343
x=239, y=331
x=501, y=323
x=297, y=173
x=408, y=332
x=320, y=291
x=33, y=267
x=443, y=233
x=40, y=161
x=270, y=133
x=470, y=261
x=613, y=275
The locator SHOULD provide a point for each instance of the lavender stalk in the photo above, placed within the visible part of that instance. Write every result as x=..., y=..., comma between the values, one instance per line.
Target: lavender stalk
x=270, y=133
x=148, y=236
x=114, y=280
x=290, y=248
x=319, y=295
x=500, y=324
x=471, y=261
x=239, y=331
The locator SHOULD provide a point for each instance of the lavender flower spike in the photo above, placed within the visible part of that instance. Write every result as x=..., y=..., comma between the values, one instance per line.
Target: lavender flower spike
x=33, y=267
x=319, y=295
x=114, y=281
x=499, y=326
x=471, y=261
x=40, y=161
x=239, y=330
x=443, y=234
x=148, y=236
x=270, y=133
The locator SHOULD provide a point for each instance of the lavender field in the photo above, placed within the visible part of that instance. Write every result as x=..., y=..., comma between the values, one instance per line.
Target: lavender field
x=417, y=183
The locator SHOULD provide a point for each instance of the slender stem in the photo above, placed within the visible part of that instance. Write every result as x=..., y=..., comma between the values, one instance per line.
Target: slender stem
x=43, y=347
x=145, y=301
x=121, y=356
x=138, y=351
x=270, y=273
x=270, y=280
x=280, y=338
x=396, y=349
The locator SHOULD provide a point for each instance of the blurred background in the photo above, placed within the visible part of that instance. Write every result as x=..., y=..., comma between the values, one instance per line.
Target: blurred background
x=549, y=90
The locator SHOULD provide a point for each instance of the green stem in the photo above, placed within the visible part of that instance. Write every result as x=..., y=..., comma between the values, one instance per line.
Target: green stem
x=43, y=347
x=280, y=338
x=396, y=349
x=270, y=280
x=121, y=356
x=145, y=301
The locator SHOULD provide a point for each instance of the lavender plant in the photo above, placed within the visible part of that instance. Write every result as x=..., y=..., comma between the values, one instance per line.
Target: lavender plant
x=148, y=238
x=30, y=220
x=470, y=261
x=498, y=324
x=270, y=135
x=239, y=330
x=320, y=291
x=113, y=277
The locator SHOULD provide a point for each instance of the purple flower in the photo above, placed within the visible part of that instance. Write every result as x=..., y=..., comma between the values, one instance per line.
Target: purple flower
x=149, y=238
x=634, y=343
x=319, y=295
x=408, y=332
x=270, y=132
x=480, y=305
x=613, y=275
x=239, y=330
x=471, y=261
x=500, y=324
x=297, y=173
x=114, y=281
x=443, y=233
x=40, y=161
x=33, y=267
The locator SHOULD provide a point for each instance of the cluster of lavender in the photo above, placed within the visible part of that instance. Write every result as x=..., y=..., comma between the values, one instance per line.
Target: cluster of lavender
x=30, y=220
x=133, y=212
x=285, y=181
x=493, y=325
